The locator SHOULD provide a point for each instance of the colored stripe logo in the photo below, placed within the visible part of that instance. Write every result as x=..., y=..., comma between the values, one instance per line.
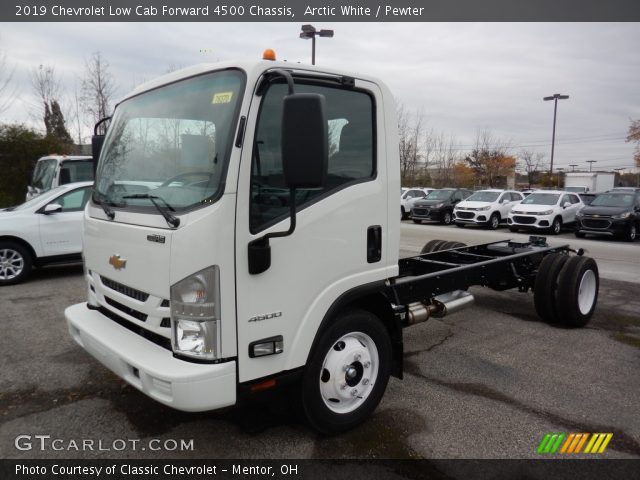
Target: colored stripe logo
x=573, y=443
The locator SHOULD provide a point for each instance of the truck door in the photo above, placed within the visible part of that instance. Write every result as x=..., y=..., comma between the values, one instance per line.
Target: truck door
x=329, y=251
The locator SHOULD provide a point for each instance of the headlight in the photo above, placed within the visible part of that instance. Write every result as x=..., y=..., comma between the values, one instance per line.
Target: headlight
x=484, y=208
x=438, y=205
x=621, y=215
x=195, y=315
x=546, y=212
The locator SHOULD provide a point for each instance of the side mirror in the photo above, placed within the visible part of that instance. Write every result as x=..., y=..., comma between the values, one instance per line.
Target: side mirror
x=97, y=140
x=52, y=208
x=305, y=140
x=566, y=204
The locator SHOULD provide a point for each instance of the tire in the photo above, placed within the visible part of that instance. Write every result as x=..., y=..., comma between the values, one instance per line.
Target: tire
x=447, y=218
x=545, y=286
x=450, y=245
x=556, y=226
x=432, y=246
x=631, y=233
x=347, y=372
x=577, y=293
x=460, y=225
x=15, y=263
x=579, y=234
x=403, y=214
x=494, y=221
x=513, y=229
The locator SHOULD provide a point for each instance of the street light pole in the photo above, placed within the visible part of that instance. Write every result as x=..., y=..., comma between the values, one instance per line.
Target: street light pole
x=310, y=32
x=591, y=162
x=555, y=97
x=573, y=166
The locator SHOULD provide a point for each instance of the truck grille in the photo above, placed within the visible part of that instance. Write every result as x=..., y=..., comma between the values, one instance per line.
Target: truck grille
x=123, y=289
x=151, y=336
x=128, y=310
x=465, y=214
x=524, y=220
x=593, y=223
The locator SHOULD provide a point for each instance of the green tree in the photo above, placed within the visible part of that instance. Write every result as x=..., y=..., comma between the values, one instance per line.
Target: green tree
x=20, y=148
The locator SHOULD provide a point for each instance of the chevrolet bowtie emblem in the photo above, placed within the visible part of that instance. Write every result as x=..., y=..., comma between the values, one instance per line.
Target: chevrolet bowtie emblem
x=117, y=262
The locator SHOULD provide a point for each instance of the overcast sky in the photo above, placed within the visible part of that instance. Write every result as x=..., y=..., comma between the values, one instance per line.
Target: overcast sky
x=462, y=76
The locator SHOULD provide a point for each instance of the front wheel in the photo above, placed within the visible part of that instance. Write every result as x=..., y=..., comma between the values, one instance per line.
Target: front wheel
x=556, y=226
x=494, y=221
x=15, y=263
x=347, y=372
x=447, y=218
x=631, y=233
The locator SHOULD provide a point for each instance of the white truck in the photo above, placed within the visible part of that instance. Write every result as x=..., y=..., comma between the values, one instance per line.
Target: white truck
x=54, y=170
x=258, y=260
x=583, y=182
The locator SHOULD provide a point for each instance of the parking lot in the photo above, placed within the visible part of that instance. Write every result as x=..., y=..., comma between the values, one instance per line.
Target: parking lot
x=487, y=382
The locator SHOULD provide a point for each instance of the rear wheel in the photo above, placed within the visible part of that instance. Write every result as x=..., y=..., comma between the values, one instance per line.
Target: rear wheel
x=347, y=373
x=577, y=292
x=546, y=284
x=15, y=263
x=432, y=246
x=494, y=221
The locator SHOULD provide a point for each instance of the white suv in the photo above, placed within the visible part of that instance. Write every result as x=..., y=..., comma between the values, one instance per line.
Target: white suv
x=545, y=209
x=408, y=198
x=486, y=207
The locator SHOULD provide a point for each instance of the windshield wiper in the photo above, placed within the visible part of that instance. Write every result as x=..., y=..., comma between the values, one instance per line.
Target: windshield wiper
x=171, y=220
x=104, y=202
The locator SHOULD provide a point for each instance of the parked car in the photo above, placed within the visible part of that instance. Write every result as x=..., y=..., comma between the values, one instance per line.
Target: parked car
x=408, y=198
x=545, y=210
x=611, y=214
x=486, y=207
x=46, y=229
x=438, y=205
x=587, y=198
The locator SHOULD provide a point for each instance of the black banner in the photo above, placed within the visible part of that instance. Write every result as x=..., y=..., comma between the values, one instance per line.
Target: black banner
x=317, y=10
x=312, y=469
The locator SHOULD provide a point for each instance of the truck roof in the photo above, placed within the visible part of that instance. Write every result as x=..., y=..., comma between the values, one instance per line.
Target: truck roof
x=252, y=68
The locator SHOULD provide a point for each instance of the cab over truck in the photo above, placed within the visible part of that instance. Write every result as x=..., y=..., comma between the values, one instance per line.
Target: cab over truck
x=263, y=249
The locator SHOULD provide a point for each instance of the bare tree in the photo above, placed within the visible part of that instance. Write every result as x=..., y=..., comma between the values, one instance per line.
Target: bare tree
x=532, y=163
x=489, y=158
x=633, y=135
x=46, y=88
x=445, y=156
x=410, y=135
x=98, y=88
x=8, y=90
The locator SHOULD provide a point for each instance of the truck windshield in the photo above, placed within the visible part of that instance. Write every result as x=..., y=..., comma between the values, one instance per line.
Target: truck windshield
x=174, y=141
x=79, y=171
x=43, y=174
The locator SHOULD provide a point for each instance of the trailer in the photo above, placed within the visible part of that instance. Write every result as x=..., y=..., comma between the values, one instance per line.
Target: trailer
x=264, y=251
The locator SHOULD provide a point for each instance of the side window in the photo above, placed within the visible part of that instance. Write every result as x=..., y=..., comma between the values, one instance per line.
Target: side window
x=516, y=197
x=458, y=196
x=350, y=115
x=574, y=199
x=504, y=196
x=73, y=201
x=565, y=198
x=637, y=201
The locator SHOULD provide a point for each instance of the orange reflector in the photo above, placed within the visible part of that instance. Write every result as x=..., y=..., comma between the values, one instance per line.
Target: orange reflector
x=269, y=54
x=258, y=387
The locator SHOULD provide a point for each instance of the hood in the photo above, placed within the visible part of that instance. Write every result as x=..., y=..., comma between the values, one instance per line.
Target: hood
x=533, y=208
x=597, y=210
x=429, y=203
x=473, y=204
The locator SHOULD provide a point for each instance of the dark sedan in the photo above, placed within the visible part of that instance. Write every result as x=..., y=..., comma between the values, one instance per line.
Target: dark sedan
x=611, y=214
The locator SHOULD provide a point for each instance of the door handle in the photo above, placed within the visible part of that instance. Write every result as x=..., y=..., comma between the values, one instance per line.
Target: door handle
x=374, y=243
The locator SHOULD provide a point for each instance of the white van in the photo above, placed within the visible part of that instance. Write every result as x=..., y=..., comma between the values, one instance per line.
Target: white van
x=55, y=170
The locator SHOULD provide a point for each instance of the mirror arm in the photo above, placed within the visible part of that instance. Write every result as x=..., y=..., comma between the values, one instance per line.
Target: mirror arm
x=292, y=216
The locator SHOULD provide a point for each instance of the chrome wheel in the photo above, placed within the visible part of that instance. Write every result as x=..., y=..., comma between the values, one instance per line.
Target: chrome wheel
x=349, y=372
x=11, y=264
x=587, y=291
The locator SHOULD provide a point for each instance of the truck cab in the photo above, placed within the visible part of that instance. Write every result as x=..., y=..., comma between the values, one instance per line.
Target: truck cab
x=54, y=170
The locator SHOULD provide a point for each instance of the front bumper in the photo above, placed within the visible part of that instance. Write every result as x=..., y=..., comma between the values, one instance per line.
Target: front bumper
x=427, y=213
x=530, y=221
x=472, y=217
x=606, y=226
x=153, y=370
